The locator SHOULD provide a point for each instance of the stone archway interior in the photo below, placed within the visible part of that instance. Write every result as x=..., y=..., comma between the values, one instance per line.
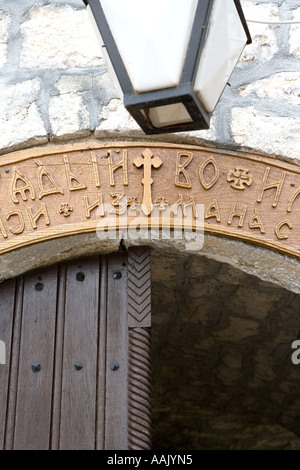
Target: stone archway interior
x=222, y=371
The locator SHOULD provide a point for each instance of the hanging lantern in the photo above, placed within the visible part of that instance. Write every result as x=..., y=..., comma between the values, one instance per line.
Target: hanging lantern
x=170, y=59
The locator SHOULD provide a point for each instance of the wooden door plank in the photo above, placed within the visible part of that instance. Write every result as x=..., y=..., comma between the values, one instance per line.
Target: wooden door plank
x=7, y=301
x=78, y=404
x=116, y=411
x=34, y=393
x=101, y=379
x=59, y=338
x=14, y=365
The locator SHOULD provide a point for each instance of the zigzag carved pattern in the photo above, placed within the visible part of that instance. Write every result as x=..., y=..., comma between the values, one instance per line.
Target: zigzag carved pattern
x=139, y=389
x=139, y=287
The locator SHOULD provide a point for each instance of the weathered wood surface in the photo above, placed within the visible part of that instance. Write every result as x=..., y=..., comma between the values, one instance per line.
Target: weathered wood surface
x=58, y=317
x=139, y=322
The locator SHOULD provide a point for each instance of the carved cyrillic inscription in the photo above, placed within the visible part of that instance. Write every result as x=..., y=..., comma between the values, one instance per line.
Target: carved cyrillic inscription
x=256, y=222
x=74, y=183
x=113, y=167
x=183, y=160
x=277, y=185
x=46, y=182
x=49, y=192
x=34, y=217
x=20, y=185
x=208, y=183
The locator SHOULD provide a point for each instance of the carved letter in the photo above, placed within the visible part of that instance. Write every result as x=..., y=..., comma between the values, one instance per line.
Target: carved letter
x=27, y=186
x=44, y=173
x=183, y=205
x=255, y=222
x=235, y=213
x=205, y=184
x=34, y=218
x=2, y=229
x=95, y=170
x=71, y=177
x=213, y=211
x=21, y=227
x=180, y=170
x=277, y=185
x=292, y=200
x=279, y=235
x=112, y=168
x=118, y=203
x=88, y=209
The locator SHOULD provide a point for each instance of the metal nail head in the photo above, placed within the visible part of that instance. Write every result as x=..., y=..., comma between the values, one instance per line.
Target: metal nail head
x=78, y=365
x=117, y=275
x=39, y=286
x=36, y=367
x=114, y=365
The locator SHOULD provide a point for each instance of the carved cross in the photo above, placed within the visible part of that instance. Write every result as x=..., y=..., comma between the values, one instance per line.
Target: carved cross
x=65, y=209
x=148, y=162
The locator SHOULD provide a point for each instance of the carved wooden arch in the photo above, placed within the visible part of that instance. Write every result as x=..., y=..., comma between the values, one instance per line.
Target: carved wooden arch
x=57, y=192
x=53, y=192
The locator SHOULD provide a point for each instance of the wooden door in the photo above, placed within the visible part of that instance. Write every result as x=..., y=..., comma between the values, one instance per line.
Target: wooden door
x=77, y=368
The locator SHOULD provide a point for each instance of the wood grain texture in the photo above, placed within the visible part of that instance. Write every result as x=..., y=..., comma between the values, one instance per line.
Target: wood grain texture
x=57, y=191
x=139, y=287
x=14, y=366
x=34, y=392
x=139, y=394
x=78, y=312
x=102, y=363
x=78, y=397
x=116, y=409
x=58, y=359
x=7, y=304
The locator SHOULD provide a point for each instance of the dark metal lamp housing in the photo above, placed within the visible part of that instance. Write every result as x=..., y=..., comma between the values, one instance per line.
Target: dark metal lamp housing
x=170, y=59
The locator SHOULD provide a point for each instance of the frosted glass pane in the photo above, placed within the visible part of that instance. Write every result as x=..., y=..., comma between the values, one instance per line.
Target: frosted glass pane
x=152, y=38
x=168, y=115
x=225, y=42
x=105, y=55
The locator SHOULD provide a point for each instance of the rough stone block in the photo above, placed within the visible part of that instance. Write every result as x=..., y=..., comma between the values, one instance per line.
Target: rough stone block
x=68, y=115
x=4, y=24
x=294, y=41
x=59, y=37
x=264, y=41
x=268, y=134
x=20, y=118
x=284, y=86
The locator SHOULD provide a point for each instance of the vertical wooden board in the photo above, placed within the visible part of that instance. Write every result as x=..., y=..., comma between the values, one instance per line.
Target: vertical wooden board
x=101, y=379
x=14, y=365
x=116, y=411
x=34, y=391
x=78, y=404
x=59, y=338
x=7, y=300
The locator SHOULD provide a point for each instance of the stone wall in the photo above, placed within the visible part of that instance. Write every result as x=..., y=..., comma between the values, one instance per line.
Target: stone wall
x=54, y=84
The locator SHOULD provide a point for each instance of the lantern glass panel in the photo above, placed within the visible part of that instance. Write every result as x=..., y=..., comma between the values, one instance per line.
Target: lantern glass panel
x=224, y=43
x=152, y=39
x=168, y=115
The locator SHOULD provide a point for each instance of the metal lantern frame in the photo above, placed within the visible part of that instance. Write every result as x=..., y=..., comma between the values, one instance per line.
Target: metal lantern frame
x=138, y=103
